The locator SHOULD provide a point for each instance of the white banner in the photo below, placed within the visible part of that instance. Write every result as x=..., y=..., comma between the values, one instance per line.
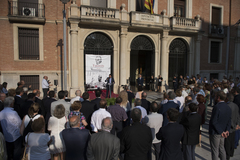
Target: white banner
x=97, y=69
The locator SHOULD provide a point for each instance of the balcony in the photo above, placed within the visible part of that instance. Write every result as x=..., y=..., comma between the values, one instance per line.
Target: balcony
x=216, y=31
x=141, y=19
x=181, y=23
x=89, y=14
x=26, y=12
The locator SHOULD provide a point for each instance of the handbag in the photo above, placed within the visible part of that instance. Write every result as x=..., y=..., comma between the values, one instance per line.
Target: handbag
x=25, y=155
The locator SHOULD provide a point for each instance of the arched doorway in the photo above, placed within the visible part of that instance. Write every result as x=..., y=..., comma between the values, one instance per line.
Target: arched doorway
x=177, y=59
x=141, y=60
x=98, y=60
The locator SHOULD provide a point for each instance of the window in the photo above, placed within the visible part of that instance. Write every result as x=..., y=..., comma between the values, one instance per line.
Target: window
x=213, y=75
x=215, y=51
x=216, y=16
x=31, y=80
x=179, y=8
x=98, y=3
x=216, y=19
x=28, y=40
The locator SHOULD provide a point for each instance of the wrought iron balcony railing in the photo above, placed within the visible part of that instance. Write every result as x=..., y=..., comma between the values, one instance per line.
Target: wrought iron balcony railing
x=26, y=9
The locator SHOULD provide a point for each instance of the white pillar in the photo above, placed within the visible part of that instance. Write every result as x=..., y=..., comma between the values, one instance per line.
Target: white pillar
x=197, y=54
x=74, y=58
x=164, y=61
x=123, y=55
x=131, y=5
x=170, y=10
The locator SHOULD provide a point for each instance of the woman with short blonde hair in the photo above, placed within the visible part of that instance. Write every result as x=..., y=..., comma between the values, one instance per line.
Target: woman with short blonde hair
x=56, y=124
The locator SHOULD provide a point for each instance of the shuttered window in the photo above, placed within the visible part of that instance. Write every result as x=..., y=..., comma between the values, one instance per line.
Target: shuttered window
x=216, y=16
x=179, y=8
x=98, y=3
x=214, y=75
x=28, y=39
x=31, y=80
x=215, y=52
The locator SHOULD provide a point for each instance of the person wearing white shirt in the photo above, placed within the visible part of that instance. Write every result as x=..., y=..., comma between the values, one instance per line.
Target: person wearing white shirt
x=77, y=98
x=155, y=121
x=45, y=86
x=99, y=115
x=138, y=104
x=179, y=99
x=11, y=122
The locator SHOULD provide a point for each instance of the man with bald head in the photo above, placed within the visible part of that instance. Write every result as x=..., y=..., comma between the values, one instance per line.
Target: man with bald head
x=45, y=86
x=78, y=93
x=103, y=145
x=76, y=140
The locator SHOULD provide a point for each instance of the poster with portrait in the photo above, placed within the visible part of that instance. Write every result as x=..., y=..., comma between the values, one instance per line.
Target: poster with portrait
x=97, y=69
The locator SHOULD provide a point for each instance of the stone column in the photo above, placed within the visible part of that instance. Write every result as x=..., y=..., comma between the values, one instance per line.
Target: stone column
x=164, y=60
x=74, y=58
x=123, y=55
x=197, y=54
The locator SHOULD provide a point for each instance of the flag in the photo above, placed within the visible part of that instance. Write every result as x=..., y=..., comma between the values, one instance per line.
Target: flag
x=149, y=4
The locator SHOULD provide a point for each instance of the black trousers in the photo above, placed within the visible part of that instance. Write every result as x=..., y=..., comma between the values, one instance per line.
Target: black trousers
x=14, y=149
x=45, y=90
x=109, y=91
x=229, y=145
x=156, y=150
x=117, y=128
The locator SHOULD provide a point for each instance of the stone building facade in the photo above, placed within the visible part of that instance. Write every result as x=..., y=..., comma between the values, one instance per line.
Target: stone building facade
x=181, y=37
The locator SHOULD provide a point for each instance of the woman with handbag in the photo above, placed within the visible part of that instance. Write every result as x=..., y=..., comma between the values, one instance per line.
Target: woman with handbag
x=37, y=142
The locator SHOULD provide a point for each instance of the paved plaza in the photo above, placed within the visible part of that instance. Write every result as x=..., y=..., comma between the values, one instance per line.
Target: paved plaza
x=203, y=152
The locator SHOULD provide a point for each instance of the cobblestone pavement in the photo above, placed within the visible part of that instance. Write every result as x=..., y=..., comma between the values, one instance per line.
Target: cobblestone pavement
x=203, y=152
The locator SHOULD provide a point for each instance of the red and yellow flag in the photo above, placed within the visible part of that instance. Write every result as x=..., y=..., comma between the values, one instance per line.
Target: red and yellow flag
x=149, y=4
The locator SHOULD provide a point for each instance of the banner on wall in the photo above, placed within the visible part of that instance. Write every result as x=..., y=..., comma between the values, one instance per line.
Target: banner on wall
x=97, y=69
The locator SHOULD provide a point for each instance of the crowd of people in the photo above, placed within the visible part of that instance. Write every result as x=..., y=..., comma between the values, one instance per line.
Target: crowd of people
x=80, y=128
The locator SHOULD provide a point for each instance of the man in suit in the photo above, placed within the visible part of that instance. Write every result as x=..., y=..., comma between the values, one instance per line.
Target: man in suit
x=235, y=119
x=61, y=96
x=47, y=106
x=171, y=135
x=87, y=109
x=130, y=95
x=140, y=80
x=39, y=101
x=136, y=140
x=145, y=103
x=2, y=97
x=192, y=128
x=110, y=82
x=18, y=101
x=98, y=94
x=170, y=104
x=118, y=116
x=103, y=145
x=235, y=91
x=76, y=140
x=154, y=121
x=27, y=104
x=219, y=126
